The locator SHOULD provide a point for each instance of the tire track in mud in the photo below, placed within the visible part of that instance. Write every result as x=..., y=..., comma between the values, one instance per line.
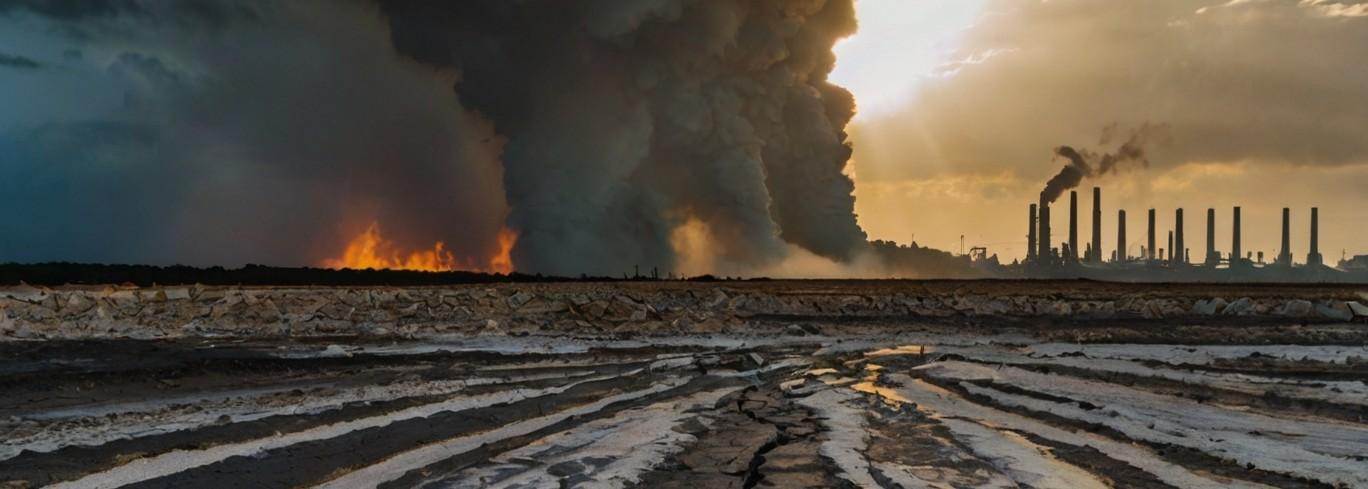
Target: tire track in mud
x=311, y=455
x=1316, y=397
x=1193, y=459
x=77, y=461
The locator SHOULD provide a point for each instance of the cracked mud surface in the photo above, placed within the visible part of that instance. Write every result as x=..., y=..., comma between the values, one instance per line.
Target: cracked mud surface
x=845, y=401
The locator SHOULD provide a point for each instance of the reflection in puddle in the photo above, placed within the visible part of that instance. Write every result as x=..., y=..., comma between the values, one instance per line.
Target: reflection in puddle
x=901, y=350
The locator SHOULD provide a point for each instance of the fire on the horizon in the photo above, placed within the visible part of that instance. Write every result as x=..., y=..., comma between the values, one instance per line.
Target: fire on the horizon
x=371, y=250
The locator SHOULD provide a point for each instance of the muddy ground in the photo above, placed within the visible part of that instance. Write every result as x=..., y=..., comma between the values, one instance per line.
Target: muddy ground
x=761, y=384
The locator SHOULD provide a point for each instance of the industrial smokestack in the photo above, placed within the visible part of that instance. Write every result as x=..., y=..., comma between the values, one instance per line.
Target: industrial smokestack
x=1314, y=257
x=1151, y=252
x=1097, y=226
x=1073, y=225
x=1121, y=236
x=1170, y=249
x=1044, y=252
x=1212, y=258
x=1285, y=256
x=1179, y=246
x=1235, y=249
x=1031, y=235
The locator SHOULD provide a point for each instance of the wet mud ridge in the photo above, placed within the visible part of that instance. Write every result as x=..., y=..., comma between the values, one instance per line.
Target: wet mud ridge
x=902, y=403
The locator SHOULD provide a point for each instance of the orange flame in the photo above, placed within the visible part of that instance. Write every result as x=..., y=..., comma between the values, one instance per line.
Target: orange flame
x=371, y=250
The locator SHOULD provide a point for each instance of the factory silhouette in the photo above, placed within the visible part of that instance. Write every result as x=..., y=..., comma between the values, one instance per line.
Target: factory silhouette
x=1170, y=260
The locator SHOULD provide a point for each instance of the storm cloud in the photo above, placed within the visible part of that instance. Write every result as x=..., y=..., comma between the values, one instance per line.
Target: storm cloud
x=255, y=131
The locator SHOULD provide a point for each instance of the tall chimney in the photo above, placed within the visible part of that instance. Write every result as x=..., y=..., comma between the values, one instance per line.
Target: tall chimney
x=1285, y=256
x=1151, y=249
x=1170, y=248
x=1097, y=225
x=1121, y=236
x=1073, y=225
x=1236, y=253
x=1212, y=258
x=1031, y=235
x=1044, y=218
x=1179, y=246
x=1314, y=257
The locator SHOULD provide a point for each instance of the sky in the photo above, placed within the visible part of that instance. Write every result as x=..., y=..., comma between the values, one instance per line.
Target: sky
x=726, y=136
x=1264, y=104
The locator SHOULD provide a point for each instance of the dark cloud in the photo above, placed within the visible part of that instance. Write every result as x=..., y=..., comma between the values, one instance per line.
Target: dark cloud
x=595, y=129
x=271, y=141
x=18, y=62
x=626, y=118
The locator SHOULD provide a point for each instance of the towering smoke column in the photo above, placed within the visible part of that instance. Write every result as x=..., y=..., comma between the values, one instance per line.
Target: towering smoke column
x=627, y=119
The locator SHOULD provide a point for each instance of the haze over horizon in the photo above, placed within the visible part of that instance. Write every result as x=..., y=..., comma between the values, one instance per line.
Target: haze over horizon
x=571, y=138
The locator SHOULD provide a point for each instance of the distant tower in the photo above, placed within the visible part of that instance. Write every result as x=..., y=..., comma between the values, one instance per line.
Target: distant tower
x=1097, y=226
x=1031, y=236
x=1285, y=256
x=1235, y=249
x=1120, y=236
x=1314, y=257
x=1073, y=226
x=1212, y=257
x=1170, y=248
x=1046, y=253
x=1178, y=244
x=1151, y=247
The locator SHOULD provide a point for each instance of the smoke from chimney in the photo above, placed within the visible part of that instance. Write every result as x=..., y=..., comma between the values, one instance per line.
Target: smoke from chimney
x=1083, y=164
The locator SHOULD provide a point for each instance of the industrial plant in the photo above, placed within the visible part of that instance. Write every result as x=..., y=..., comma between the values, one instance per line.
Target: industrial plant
x=1171, y=259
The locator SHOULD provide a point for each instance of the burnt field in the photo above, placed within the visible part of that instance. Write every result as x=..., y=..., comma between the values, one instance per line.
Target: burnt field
x=666, y=384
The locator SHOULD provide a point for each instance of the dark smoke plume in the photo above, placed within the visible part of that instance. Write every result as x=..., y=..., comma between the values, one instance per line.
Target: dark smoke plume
x=624, y=118
x=1079, y=166
x=271, y=132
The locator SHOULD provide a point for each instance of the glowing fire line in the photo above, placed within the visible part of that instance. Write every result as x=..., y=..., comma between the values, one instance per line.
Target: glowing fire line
x=371, y=250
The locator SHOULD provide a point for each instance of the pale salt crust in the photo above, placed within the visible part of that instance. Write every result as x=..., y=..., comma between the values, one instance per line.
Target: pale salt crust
x=1203, y=354
x=847, y=437
x=93, y=425
x=180, y=460
x=1019, y=459
x=1343, y=392
x=1317, y=451
x=942, y=403
x=615, y=451
x=395, y=467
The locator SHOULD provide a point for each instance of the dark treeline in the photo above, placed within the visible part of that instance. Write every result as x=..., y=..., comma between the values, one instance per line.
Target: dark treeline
x=63, y=273
x=145, y=275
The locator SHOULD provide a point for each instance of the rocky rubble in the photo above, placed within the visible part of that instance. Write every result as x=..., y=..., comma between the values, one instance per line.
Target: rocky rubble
x=28, y=312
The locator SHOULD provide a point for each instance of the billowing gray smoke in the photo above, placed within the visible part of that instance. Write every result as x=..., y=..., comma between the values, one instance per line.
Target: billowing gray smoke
x=257, y=131
x=1132, y=151
x=624, y=118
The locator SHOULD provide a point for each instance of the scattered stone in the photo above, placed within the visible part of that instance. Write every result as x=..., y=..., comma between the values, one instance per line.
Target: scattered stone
x=1336, y=310
x=1243, y=306
x=1296, y=308
x=1358, y=309
x=1209, y=307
